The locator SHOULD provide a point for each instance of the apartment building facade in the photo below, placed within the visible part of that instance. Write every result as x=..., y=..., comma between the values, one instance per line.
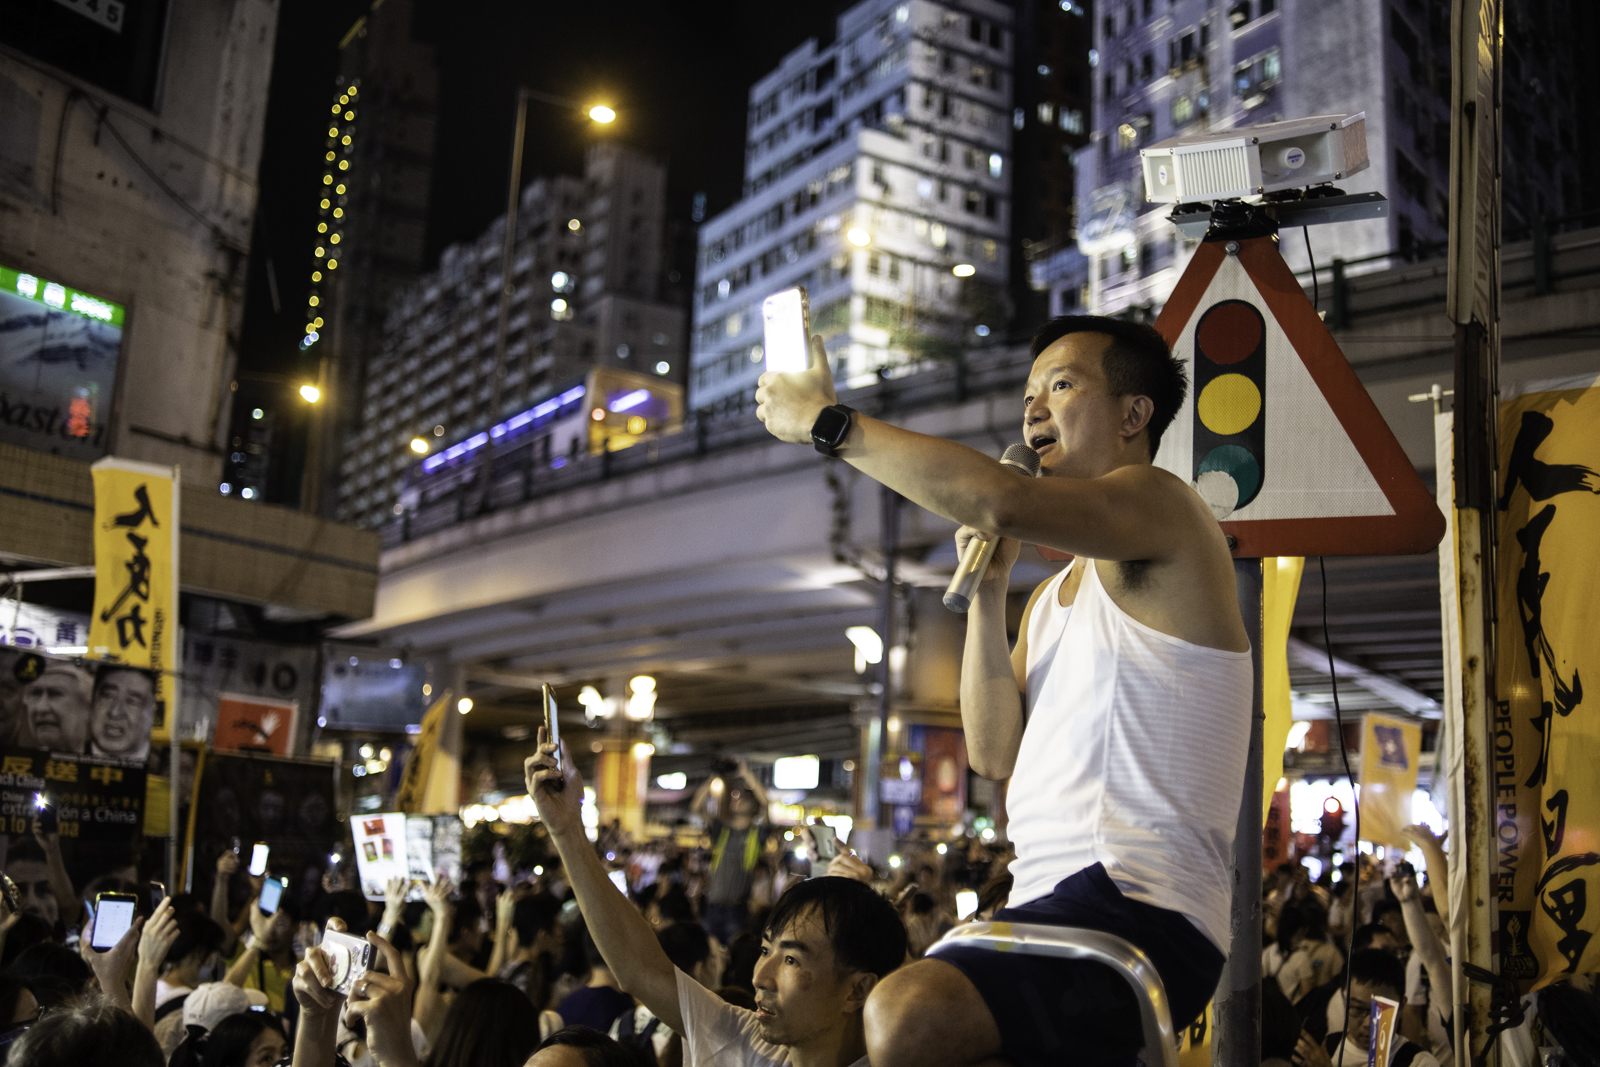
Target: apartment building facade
x=1164, y=68
x=585, y=266
x=877, y=175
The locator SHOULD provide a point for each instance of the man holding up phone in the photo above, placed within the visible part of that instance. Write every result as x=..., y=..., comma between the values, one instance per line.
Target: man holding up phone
x=1121, y=717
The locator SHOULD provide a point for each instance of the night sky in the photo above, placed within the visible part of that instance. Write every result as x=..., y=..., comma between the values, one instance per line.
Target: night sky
x=676, y=72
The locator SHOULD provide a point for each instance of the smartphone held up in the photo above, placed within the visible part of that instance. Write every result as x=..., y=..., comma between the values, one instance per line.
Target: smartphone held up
x=786, y=330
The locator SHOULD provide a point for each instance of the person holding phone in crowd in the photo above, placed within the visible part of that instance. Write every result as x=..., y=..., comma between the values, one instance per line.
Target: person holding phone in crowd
x=1121, y=717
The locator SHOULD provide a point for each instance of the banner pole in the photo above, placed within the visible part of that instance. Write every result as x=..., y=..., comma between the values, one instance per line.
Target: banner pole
x=175, y=874
x=1238, y=999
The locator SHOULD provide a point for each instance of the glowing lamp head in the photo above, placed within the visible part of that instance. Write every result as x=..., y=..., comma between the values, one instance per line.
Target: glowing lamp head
x=963, y=270
x=858, y=237
x=602, y=114
x=464, y=705
x=1332, y=806
x=419, y=446
x=642, y=683
x=310, y=394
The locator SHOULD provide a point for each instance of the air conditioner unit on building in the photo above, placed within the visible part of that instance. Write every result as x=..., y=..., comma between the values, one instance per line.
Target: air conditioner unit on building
x=1249, y=161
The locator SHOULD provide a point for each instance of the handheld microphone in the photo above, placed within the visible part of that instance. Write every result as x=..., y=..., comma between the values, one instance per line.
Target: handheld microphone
x=975, y=560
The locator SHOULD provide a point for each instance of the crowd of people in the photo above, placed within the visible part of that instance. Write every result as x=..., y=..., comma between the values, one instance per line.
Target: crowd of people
x=485, y=972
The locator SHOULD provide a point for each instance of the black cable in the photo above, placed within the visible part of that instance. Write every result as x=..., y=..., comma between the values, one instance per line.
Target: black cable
x=217, y=232
x=1316, y=297
x=1355, y=804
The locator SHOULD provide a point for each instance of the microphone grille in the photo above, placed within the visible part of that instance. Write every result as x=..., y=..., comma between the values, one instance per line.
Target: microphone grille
x=1023, y=458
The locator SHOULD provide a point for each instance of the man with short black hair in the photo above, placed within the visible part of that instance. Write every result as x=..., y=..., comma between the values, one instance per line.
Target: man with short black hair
x=1121, y=718
x=827, y=944
x=1373, y=973
x=121, y=713
x=199, y=942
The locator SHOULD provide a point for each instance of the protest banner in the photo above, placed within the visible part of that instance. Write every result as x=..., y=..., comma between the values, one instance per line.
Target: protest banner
x=98, y=809
x=242, y=798
x=133, y=628
x=1391, y=749
x=1545, y=736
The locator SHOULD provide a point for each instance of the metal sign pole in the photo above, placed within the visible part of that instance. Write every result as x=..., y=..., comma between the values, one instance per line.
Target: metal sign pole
x=1473, y=304
x=1237, y=1015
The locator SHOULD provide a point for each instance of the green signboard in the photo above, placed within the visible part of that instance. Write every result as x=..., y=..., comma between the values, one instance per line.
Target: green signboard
x=59, y=349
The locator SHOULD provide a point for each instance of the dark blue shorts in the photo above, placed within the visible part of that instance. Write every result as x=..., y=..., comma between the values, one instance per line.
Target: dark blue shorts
x=1046, y=1008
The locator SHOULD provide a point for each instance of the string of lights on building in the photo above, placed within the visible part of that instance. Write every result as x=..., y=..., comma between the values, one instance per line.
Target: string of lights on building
x=330, y=206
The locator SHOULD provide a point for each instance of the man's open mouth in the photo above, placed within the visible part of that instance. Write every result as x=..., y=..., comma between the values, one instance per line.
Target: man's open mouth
x=1041, y=442
x=764, y=1012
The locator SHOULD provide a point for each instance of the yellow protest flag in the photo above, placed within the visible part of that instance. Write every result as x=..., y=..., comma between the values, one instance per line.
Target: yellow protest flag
x=430, y=783
x=1545, y=735
x=1280, y=587
x=135, y=617
x=1390, y=750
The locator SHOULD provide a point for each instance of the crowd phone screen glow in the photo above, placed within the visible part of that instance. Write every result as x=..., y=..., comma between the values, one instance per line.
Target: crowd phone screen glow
x=271, y=896
x=785, y=331
x=258, y=859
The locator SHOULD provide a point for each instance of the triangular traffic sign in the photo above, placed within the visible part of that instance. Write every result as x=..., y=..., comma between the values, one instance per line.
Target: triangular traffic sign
x=1278, y=434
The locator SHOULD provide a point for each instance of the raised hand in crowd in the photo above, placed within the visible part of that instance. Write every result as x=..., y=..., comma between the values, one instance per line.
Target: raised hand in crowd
x=848, y=865
x=60, y=881
x=383, y=1002
x=394, y=904
x=227, y=867
x=505, y=907
x=154, y=943
x=320, y=1005
x=431, y=961
x=111, y=967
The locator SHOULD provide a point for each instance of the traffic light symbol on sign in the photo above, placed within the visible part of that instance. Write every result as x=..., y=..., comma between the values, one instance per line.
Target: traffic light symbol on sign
x=1230, y=426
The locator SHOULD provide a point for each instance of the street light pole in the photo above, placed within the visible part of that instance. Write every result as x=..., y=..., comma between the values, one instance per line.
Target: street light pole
x=508, y=247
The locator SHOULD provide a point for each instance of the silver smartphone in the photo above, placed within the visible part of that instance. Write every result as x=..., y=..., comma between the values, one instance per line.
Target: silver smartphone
x=786, y=325
x=349, y=958
x=552, y=728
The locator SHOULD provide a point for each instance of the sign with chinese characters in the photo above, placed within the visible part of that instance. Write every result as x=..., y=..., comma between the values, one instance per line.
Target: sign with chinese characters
x=217, y=664
x=43, y=629
x=59, y=349
x=1545, y=732
x=99, y=808
x=134, y=620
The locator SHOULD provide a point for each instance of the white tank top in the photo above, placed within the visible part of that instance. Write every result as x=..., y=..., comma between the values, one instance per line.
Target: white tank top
x=1133, y=756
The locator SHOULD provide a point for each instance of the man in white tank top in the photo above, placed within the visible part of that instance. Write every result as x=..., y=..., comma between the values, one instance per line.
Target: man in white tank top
x=1121, y=717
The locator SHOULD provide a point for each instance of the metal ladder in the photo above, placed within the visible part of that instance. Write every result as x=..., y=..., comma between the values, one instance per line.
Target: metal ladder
x=1067, y=942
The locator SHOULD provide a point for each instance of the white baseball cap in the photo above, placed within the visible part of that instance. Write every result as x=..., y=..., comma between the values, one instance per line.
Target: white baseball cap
x=213, y=1002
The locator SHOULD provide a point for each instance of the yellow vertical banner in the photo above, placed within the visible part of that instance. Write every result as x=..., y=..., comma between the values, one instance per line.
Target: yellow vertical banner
x=134, y=622
x=1390, y=751
x=1280, y=587
x=419, y=765
x=1546, y=737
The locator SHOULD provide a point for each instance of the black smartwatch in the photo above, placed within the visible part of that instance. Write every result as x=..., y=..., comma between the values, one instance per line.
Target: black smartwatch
x=831, y=428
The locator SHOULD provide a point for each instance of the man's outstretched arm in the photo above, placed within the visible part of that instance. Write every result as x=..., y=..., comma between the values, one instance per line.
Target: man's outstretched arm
x=1134, y=512
x=624, y=937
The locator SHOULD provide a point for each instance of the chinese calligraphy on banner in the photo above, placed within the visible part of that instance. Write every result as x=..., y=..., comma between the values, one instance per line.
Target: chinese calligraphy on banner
x=134, y=621
x=1545, y=734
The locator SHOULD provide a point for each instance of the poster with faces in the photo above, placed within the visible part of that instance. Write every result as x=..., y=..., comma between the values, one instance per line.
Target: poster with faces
x=381, y=852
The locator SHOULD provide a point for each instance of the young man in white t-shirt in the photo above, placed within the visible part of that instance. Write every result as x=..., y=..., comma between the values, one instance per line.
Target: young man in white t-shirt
x=828, y=942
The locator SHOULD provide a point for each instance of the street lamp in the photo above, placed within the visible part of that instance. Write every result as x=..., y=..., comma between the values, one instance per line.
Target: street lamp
x=419, y=446
x=598, y=113
x=858, y=237
x=310, y=394
x=963, y=270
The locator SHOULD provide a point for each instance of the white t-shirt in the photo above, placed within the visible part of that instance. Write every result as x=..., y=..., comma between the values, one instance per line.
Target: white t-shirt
x=719, y=1034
